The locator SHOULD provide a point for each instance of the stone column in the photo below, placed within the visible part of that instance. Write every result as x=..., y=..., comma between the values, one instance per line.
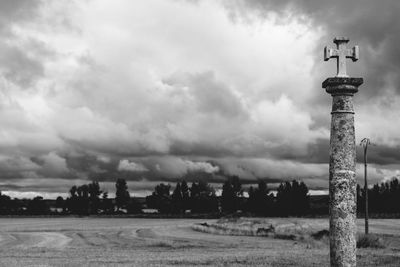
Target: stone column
x=342, y=167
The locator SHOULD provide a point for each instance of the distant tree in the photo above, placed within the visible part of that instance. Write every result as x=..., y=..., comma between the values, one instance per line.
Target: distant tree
x=231, y=193
x=358, y=198
x=163, y=190
x=292, y=198
x=134, y=206
x=177, y=199
x=227, y=198
x=73, y=191
x=203, y=198
x=37, y=206
x=5, y=204
x=237, y=186
x=94, y=197
x=302, y=199
x=72, y=202
x=251, y=200
x=160, y=199
x=374, y=199
x=83, y=191
x=79, y=201
x=260, y=201
x=60, y=203
x=83, y=199
x=395, y=195
x=18, y=206
x=106, y=203
x=121, y=195
x=185, y=195
x=384, y=197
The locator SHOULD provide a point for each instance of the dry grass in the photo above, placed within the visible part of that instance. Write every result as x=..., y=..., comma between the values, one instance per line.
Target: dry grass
x=248, y=229
x=172, y=242
x=291, y=230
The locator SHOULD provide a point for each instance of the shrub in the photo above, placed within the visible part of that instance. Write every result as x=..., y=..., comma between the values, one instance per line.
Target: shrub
x=369, y=241
x=320, y=234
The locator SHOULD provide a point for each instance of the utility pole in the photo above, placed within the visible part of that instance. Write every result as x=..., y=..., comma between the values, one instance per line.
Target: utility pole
x=365, y=142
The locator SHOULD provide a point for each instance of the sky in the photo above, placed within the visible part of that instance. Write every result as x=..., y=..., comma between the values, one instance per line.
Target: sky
x=164, y=90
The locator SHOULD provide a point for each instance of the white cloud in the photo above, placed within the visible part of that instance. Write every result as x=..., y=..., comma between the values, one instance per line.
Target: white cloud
x=200, y=167
x=126, y=165
x=378, y=121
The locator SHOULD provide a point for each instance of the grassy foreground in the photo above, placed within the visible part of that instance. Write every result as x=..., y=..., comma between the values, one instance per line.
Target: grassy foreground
x=176, y=242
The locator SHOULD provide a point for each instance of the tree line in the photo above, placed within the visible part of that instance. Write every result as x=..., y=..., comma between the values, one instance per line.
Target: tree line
x=289, y=199
x=383, y=198
x=86, y=199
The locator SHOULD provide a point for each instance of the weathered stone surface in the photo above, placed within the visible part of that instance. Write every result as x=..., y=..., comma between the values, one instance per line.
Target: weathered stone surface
x=341, y=53
x=342, y=183
x=342, y=176
x=335, y=81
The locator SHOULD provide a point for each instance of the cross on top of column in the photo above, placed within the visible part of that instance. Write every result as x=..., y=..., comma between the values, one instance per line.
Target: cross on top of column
x=341, y=53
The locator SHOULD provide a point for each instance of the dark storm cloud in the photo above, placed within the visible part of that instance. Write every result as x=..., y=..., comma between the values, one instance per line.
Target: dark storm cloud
x=374, y=25
x=12, y=10
x=20, y=61
x=377, y=154
x=380, y=154
x=18, y=67
x=315, y=152
x=83, y=162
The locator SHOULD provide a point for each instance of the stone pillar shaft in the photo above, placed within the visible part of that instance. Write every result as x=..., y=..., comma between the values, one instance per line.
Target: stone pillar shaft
x=342, y=182
x=342, y=167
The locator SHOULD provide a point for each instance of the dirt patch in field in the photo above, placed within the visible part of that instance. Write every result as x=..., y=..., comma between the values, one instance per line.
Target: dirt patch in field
x=26, y=240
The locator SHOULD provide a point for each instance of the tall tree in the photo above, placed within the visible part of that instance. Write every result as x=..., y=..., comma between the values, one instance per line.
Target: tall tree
x=231, y=193
x=284, y=198
x=203, y=198
x=73, y=191
x=37, y=206
x=177, y=199
x=5, y=204
x=160, y=199
x=121, y=195
x=94, y=196
x=292, y=198
x=60, y=203
x=259, y=201
x=185, y=195
x=106, y=203
x=83, y=199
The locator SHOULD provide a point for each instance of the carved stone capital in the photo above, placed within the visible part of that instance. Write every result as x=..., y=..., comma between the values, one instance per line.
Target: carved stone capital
x=342, y=85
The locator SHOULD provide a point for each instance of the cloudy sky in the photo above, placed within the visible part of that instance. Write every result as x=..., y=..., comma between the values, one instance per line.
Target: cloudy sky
x=161, y=90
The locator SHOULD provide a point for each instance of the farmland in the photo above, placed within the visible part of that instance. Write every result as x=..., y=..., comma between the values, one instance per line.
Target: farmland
x=173, y=242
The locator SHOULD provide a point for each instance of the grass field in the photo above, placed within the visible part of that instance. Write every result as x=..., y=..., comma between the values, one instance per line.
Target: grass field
x=174, y=242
